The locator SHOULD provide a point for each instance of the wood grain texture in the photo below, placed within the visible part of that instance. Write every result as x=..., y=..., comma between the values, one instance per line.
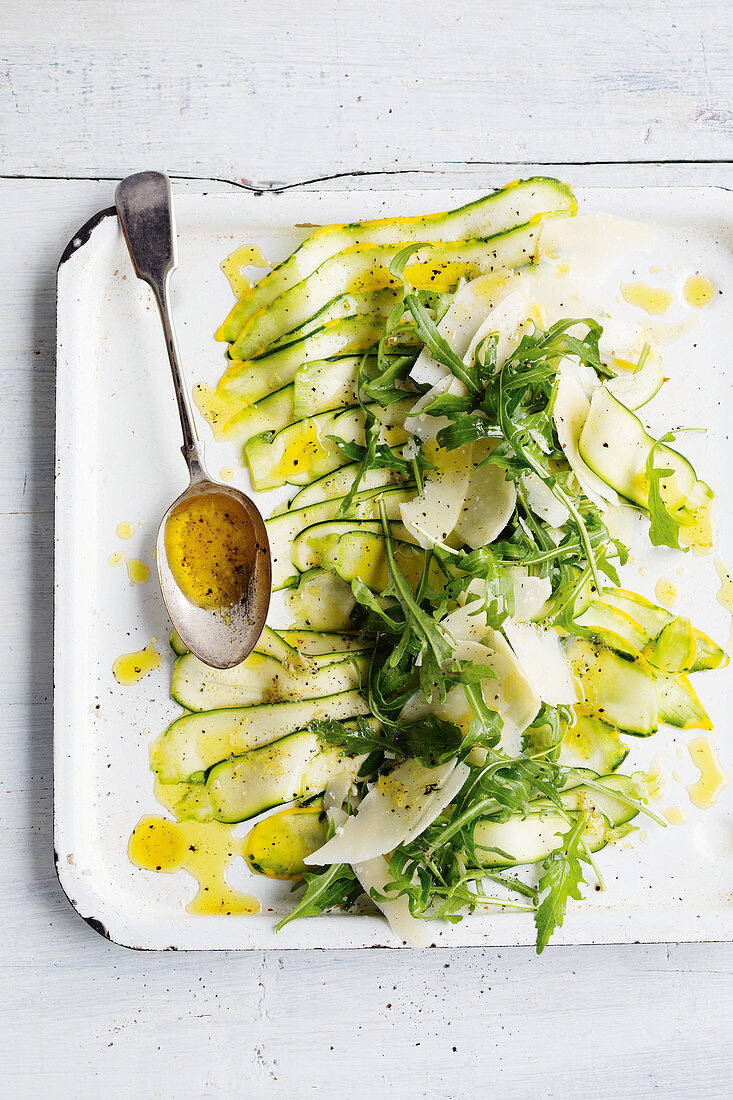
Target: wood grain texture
x=248, y=89
x=272, y=92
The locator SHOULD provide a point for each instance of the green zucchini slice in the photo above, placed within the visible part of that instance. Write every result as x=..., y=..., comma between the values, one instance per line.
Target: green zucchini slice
x=272, y=644
x=708, y=653
x=635, y=388
x=195, y=742
x=655, y=619
x=675, y=647
x=616, y=690
x=324, y=384
x=234, y=421
x=298, y=766
x=305, y=450
x=649, y=616
x=438, y=266
x=257, y=680
x=616, y=446
x=250, y=380
x=321, y=601
x=591, y=743
x=318, y=642
x=377, y=302
x=615, y=627
x=531, y=839
x=514, y=204
x=679, y=705
x=283, y=529
x=339, y=482
x=278, y=845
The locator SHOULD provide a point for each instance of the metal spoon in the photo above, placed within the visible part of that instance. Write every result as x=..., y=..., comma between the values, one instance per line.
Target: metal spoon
x=145, y=210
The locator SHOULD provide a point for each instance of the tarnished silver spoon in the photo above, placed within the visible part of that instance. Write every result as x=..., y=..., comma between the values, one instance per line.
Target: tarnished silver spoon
x=212, y=549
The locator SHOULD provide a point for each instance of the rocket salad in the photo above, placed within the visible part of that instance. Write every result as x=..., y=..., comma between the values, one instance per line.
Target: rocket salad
x=445, y=719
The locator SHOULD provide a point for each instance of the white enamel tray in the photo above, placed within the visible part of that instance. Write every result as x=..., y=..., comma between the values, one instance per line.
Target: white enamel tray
x=118, y=460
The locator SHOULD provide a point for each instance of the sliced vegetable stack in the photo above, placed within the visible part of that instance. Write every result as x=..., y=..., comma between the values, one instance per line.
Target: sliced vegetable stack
x=454, y=698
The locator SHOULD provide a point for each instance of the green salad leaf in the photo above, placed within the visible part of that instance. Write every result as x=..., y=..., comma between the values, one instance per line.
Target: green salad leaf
x=664, y=527
x=561, y=880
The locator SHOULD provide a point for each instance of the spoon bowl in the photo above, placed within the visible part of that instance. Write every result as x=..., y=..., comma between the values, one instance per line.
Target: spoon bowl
x=220, y=637
x=212, y=550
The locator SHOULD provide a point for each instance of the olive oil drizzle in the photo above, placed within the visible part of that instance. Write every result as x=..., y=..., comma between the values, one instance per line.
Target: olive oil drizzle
x=205, y=850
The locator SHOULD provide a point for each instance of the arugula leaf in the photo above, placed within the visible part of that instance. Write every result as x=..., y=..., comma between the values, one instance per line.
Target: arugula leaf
x=544, y=736
x=664, y=527
x=382, y=387
x=448, y=404
x=355, y=452
x=467, y=428
x=427, y=329
x=361, y=739
x=445, y=887
x=380, y=457
x=335, y=886
x=367, y=599
x=563, y=875
x=431, y=740
x=434, y=642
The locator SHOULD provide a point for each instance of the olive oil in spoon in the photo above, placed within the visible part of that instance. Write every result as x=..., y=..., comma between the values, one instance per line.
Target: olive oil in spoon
x=212, y=549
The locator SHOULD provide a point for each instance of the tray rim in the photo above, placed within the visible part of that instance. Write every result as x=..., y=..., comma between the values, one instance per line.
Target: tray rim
x=82, y=239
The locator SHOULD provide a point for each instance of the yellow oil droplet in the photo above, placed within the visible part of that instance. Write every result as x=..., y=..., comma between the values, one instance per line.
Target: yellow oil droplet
x=204, y=849
x=125, y=530
x=713, y=779
x=137, y=571
x=131, y=667
x=666, y=591
x=226, y=473
x=698, y=291
x=209, y=551
x=653, y=299
x=643, y=570
x=117, y=558
x=156, y=844
x=153, y=640
x=305, y=449
x=675, y=815
x=725, y=594
x=247, y=255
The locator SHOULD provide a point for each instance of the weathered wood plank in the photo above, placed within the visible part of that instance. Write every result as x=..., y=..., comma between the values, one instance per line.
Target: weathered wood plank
x=269, y=92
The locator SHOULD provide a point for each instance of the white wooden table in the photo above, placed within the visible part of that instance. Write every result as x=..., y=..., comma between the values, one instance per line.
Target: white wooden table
x=272, y=93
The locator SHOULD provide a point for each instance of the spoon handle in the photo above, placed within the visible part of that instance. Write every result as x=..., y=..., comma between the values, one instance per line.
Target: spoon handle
x=145, y=209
